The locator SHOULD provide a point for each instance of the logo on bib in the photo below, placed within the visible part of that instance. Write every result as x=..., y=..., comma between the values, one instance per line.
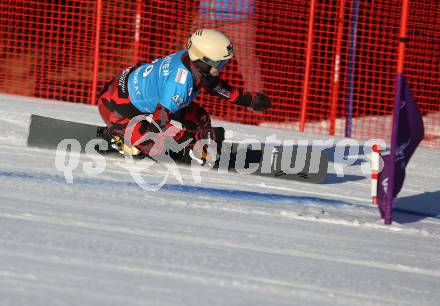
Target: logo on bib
x=181, y=76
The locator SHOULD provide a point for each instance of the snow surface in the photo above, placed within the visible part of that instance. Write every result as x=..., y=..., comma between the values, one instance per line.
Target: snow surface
x=229, y=240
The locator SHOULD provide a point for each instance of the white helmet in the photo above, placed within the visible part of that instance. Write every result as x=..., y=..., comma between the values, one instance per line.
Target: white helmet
x=211, y=47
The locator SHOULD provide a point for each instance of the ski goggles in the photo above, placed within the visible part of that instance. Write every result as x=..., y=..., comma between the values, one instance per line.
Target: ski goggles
x=219, y=65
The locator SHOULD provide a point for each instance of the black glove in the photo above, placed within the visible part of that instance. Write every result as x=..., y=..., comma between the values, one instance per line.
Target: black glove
x=216, y=134
x=258, y=101
x=208, y=133
x=201, y=153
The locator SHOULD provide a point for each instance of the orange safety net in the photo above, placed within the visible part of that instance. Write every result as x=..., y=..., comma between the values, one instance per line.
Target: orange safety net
x=329, y=66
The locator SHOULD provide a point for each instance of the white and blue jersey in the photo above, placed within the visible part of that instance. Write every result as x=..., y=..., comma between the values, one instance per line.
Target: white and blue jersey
x=165, y=81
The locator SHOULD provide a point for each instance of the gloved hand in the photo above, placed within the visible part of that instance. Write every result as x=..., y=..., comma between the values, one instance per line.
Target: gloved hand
x=208, y=133
x=201, y=153
x=258, y=101
x=206, y=152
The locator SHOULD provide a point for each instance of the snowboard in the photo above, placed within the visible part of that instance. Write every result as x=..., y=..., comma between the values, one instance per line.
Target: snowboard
x=298, y=163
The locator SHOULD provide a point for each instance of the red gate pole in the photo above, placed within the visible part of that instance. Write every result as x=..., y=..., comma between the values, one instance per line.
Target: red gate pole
x=308, y=66
x=403, y=38
x=336, y=69
x=397, y=102
x=96, y=52
x=137, y=33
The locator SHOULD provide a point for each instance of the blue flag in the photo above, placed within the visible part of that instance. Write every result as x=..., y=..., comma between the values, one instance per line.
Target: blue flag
x=407, y=133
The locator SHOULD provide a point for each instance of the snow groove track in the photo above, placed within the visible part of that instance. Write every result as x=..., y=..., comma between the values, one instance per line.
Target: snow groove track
x=229, y=241
x=227, y=193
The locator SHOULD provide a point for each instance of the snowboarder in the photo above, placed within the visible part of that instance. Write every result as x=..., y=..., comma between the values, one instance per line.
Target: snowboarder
x=166, y=88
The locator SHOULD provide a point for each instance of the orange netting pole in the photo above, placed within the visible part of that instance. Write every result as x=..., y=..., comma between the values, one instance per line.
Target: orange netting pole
x=137, y=30
x=336, y=69
x=403, y=38
x=308, y=66
x=96, y=52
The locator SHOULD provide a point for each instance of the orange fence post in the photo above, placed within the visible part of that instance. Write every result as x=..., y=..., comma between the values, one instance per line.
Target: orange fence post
x=336, y=69
x=308, y=66
x=137, y=32
x=96, y=52
x=402, y=38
